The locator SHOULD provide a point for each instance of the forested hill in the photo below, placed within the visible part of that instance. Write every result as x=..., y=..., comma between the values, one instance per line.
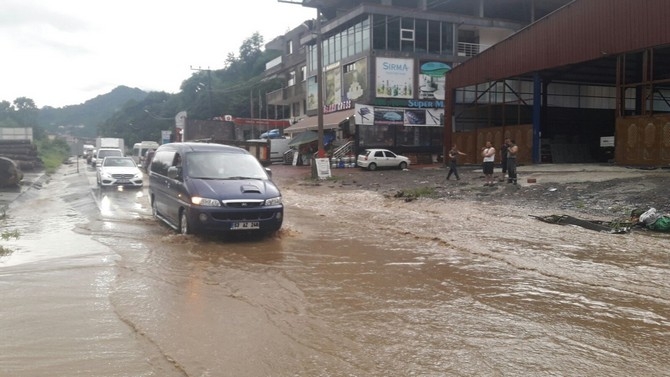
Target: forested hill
x=87, y=116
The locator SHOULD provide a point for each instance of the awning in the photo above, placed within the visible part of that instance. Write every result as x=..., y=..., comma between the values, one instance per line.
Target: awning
x=303, y=138
x=330, y=121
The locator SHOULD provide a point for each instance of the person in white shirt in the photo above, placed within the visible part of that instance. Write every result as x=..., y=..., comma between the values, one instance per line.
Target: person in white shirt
x=489, y=155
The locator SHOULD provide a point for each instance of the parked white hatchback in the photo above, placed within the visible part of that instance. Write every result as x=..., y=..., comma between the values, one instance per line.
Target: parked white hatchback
x=372, y=159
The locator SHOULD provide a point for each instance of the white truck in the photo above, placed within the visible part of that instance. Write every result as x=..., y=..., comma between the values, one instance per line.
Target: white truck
x=107, y=143
x=278, y=146
x=110, y=142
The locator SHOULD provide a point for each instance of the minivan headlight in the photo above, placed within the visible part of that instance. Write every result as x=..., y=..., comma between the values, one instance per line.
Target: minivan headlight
x=273, y=201
x=205, y=202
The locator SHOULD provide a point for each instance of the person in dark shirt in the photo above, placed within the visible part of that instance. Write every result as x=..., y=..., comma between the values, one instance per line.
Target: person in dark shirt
x=453, y=162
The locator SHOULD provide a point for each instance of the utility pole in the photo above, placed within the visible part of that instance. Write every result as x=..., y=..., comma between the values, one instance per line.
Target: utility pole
x=209, y=87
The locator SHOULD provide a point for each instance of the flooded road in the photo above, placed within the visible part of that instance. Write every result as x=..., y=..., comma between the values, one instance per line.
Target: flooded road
x=354, y=285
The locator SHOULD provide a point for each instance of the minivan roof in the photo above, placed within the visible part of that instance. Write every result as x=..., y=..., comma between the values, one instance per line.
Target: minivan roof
x=201, y=147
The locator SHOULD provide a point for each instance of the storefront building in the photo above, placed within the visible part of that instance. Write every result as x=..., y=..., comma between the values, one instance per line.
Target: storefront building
x=383, y=66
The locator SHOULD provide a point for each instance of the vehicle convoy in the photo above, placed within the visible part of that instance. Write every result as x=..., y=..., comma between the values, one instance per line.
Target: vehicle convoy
x=119, y=171
x=205, y=187
x=372, y=159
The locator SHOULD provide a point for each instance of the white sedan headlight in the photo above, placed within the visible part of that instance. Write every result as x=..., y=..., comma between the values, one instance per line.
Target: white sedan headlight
x=273, y=201
x=205, y=202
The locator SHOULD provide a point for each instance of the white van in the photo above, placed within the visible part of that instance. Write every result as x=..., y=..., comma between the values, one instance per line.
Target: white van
x=140, y=150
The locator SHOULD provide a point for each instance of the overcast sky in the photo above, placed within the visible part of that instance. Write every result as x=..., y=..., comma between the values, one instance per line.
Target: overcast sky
x=65, y=52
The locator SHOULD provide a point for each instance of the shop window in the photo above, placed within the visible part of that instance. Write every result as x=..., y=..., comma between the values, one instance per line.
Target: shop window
x=376, y=135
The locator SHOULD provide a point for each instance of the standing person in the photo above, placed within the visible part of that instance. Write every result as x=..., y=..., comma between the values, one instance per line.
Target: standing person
x=503, y=157
x=489, y=155
x=453, y=161
x=512, y=150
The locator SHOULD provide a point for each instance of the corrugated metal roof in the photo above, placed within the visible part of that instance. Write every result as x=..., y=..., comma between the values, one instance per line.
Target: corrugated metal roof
x=582, y=31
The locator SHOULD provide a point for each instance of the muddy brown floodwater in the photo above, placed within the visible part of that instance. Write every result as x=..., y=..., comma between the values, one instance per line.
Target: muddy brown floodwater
x=357, y=283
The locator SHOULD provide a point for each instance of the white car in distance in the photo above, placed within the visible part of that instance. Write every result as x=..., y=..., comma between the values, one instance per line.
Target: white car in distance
x=372, y=159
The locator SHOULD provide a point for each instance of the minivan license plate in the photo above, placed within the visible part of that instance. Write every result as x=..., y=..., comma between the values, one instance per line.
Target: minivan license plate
x=245, y=225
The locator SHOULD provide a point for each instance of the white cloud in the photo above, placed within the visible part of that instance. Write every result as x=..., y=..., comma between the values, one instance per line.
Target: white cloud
x=65, y=52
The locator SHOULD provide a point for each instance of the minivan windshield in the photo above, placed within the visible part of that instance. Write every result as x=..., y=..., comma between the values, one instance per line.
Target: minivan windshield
x=218, y=165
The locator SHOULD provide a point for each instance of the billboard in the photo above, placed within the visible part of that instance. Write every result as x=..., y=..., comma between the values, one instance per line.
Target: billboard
x=432, y=80
x=333, y=89
x=355, y=79
x=367, y=115
x=394, y=78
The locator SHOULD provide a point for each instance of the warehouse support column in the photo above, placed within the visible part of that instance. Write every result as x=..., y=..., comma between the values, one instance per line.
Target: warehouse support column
x=537, y=117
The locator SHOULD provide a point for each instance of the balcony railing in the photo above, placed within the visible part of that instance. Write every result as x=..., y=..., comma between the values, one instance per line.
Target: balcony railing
x=470, y=49
x=287, y=95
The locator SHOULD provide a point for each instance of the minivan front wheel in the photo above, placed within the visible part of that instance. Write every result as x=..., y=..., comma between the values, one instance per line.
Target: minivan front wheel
x=184, y=227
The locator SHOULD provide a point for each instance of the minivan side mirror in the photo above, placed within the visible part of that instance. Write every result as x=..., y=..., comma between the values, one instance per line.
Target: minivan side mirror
x=174, y=172
x=269, y=172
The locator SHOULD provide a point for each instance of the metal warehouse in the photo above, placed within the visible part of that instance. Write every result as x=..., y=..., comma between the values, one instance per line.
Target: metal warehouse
x=589, y=82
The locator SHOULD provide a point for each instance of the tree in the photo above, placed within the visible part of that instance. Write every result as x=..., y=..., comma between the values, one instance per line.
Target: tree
x=251, y=48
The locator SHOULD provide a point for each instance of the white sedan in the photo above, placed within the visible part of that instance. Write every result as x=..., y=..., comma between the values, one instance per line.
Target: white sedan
x=119, y=171
x=372, y=159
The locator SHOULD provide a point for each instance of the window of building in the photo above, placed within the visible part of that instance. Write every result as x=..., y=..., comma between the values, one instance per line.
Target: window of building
x=447, y=39
x=303, y=73
x=393, y=35
x=379, y=32
x=434, y=37
x=395, y=136
x=366, y=34
x=421, y=36
x=358, y=38
x=351, y=40
x=376, y=135
x=290, y=47
x=291, y=79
